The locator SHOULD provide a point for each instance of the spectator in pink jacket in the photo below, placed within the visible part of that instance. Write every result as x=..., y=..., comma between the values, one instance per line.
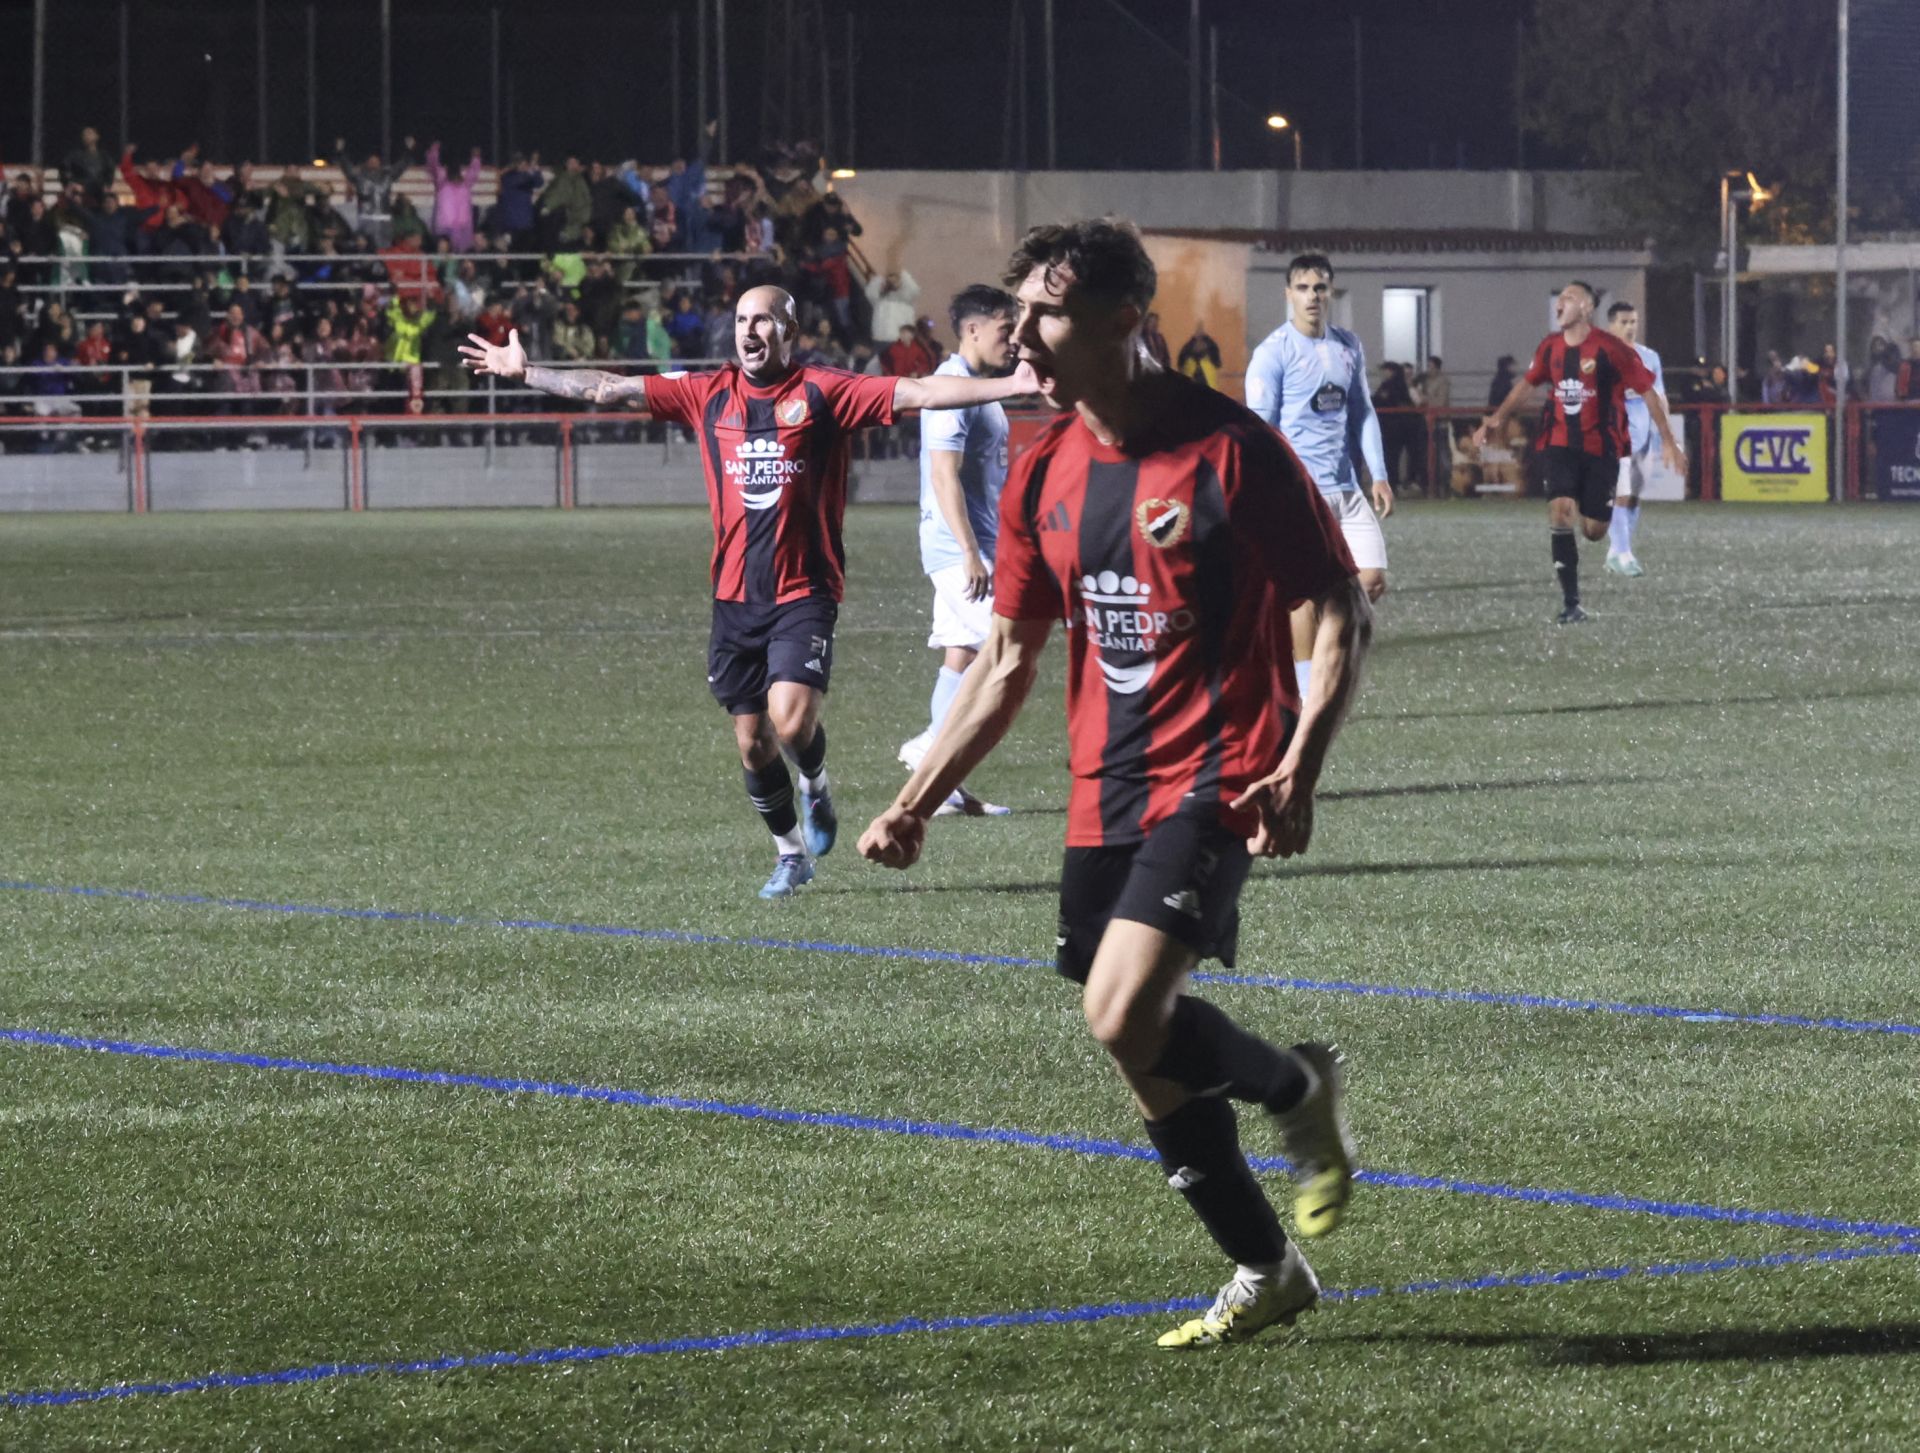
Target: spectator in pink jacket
x=453, y=198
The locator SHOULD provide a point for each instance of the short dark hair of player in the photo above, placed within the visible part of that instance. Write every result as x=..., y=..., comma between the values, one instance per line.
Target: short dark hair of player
x=978, y=301
x=1616, y=309
x=1310, y=262
x=1105, y=255
x=1593, y=293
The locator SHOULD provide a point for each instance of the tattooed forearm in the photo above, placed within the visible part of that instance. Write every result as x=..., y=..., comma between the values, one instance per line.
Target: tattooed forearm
x=595, y=385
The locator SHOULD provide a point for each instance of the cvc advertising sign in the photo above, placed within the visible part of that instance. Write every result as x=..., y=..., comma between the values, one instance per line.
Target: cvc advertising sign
x=1774, y=458
x=1896, y=453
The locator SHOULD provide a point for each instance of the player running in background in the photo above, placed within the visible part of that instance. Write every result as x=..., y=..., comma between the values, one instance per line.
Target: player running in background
x=773, y=438
x=1309, y=380
x=1583, y=429
x=1173, y=532
x=1623, y=321
x=963, y=463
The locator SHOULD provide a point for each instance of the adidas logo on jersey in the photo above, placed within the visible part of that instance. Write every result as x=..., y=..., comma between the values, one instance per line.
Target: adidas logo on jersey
x=1056, y=518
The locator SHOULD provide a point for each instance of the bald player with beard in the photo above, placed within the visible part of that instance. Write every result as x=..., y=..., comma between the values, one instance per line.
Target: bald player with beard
x=774, y=441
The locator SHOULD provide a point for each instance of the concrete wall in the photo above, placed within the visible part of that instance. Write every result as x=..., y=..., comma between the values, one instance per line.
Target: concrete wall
x=1483, y=304
x=953, y=228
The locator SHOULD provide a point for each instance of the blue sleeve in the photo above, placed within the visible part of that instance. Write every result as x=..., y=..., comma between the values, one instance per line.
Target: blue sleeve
x=1363, y=424
x=1266, y=383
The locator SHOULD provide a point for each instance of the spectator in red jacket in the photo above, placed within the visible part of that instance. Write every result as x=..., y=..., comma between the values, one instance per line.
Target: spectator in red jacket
x=238, y=346
x=151, y=190
x=907, y=356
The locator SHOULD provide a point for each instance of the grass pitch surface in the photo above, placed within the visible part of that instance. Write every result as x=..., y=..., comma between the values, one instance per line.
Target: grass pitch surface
x=1705, y=800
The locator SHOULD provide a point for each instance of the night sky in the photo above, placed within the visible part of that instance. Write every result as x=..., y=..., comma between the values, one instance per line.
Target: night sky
x=931, y=86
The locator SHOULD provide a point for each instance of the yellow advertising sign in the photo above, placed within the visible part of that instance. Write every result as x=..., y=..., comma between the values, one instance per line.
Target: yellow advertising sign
x=1774, y=458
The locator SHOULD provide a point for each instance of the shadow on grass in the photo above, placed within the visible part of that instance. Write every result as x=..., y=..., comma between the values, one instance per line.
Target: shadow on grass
x=1439, y=789
x=1282, y=870
x=1735, y=1344
x=1396, y=640
x=1651, y=703
x=1453, y=585
x=1500, y=865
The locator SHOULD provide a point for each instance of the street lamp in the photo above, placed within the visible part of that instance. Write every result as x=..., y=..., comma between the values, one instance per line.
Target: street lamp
x=1277, y=122
x=1732, y=192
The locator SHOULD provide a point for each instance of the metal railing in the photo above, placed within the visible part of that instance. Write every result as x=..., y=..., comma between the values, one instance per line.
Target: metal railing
x=263, y=389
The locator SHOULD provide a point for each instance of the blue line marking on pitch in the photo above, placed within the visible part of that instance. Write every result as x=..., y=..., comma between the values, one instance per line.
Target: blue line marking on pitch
x=789, y=1336
x=947, y=1130
x=948, y=956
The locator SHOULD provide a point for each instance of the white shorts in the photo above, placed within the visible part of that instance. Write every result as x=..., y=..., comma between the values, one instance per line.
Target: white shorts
x=1361, y=526
x=958, y=621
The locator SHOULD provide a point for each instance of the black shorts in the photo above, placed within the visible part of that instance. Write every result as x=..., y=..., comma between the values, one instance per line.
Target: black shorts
x=1183, y=879
x=753, y=646
x=1589, y=479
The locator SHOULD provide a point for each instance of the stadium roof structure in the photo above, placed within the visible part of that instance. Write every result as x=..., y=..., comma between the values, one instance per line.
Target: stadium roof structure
x=1349, y=240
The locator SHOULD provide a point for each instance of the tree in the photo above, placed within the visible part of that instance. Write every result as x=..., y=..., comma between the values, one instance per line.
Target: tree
x=1673, y=93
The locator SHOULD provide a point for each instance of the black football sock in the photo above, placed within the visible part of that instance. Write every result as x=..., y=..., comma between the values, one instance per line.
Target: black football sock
x=1199, y=1147
x=1208, y=1053
x=770, y=789
x=1566, y=562
x=812, y=760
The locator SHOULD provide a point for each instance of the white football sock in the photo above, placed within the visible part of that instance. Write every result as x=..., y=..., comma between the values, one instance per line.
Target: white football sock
x=1631, y=515
x=1303, y=673
x=1619, y=537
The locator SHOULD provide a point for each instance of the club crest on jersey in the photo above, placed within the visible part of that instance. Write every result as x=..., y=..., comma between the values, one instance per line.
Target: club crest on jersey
x=1162, y=522
x=792, y=413
x=1587, y=365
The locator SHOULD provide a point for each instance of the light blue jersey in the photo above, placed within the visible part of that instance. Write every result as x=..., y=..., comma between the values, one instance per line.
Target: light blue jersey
x=1639, y=418
x=979, y=436
x=1314, y=391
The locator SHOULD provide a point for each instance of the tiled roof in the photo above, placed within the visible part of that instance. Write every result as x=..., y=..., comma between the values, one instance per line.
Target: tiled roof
x=1407, y=239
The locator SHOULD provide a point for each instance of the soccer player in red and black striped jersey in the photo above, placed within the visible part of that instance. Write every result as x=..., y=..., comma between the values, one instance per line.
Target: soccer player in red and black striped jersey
x=1173, y=532
x=774, y=439
x=1583, y=428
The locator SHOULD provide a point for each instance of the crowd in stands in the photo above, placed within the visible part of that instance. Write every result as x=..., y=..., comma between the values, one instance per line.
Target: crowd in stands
x=268, y=294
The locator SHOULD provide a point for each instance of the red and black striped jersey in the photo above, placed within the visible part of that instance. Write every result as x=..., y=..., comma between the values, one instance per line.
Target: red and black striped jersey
x=1174, y=567
x=1588, y=408
x=776, y=463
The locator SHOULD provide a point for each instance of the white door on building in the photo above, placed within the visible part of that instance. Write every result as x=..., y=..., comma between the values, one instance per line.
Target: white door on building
x=1406, y=325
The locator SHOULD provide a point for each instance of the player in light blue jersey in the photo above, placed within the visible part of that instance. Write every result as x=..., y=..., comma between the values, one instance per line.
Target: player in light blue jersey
x=963, y=464
x=1623, y=321
x=1309, y=380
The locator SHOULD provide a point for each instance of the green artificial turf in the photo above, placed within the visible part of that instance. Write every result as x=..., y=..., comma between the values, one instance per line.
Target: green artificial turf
x=1705, y=799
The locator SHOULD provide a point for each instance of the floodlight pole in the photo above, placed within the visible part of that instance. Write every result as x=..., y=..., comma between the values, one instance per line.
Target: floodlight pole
x=126, y=74
x=1730, y=320
x=39, y=147
x=313, y=85
x=493, y=87
x=1840, y=277
x=386, y=80
x=721, y=139
x=1213, y=92
x=1046, y=33
x=260, y=79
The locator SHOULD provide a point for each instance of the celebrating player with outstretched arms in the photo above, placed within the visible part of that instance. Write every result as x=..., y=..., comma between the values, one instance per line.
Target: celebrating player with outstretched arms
x=773, y=438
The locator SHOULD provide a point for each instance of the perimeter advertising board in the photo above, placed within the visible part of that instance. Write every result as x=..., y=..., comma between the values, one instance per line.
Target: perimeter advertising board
x=1774, y=458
